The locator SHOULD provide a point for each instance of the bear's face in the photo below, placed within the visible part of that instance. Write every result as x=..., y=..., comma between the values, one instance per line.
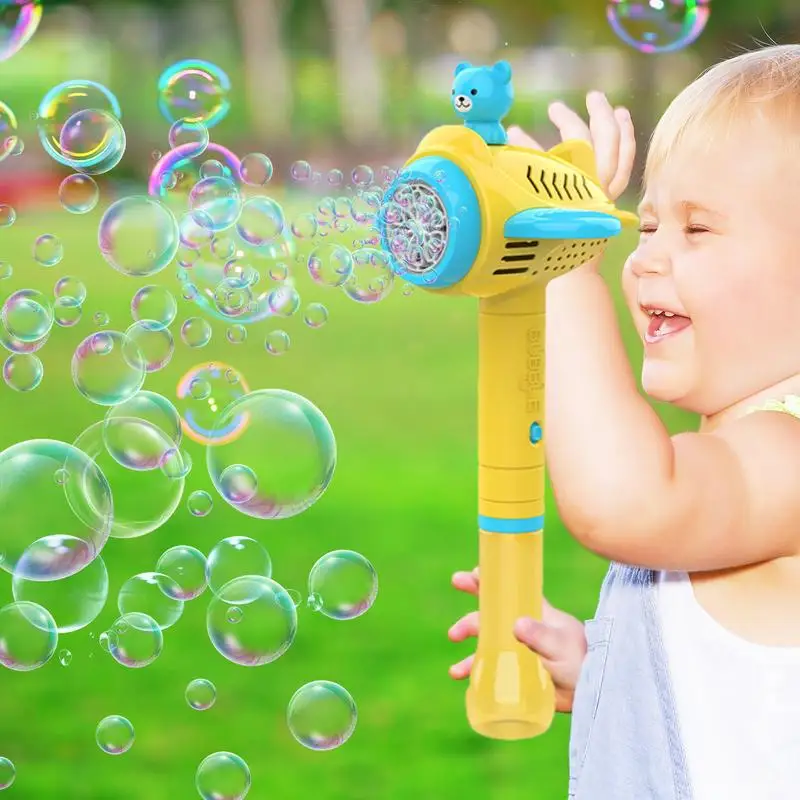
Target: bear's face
x=482, y=94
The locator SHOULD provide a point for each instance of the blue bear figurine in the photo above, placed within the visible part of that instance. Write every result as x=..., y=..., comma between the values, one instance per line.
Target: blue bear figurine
x=482, y=96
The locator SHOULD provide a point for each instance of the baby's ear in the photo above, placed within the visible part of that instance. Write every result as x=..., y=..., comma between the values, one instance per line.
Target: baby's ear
x=503, y=71
x=461, y=66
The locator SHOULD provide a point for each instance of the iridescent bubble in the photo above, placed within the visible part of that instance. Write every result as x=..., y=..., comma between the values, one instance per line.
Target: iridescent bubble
x=177, y=172
x=8, y=215
x=8, y=120
x=23, y=372
x=154, y=341
x=215, y=204
x=135, y=640
x=362, y=176
x=223, y=248
x=57, y=509
x=192, y=235
x=279, y=272
x=8, y=773
x=267, y=625
x=138, y=236
x=48, y=250
x=335, y=177
x=286, y=443
x=154, y=303
x=236, y=557
x=101, y=319
x=372, y=277
x=346, y=582
x=199, y=503
x=236, y=334
x=27, y=315
x=322, y=715
x=184, y=132
x=108, y=368
x=70, y=287
x=74, y=602
x=214, y=169
x=64, y=657
x=201, y=411
x=6, y=270
x=154, y=594
x=277, y=342
x=114, y=735
x=305, y=226
x=201, y=694
x=28, y=636
x=315, y=315
x=223, y=776
x=261, y=221
x=194, y=91
x=155, y=411
x=143, y=499
x=19, y=20
x=330, y=264
x=301, y=171
x=256, y=169
x=92, y=141
x=658, y=26
x=79, y=194
x=187, y=567
x=284, y=301
x=196, y=332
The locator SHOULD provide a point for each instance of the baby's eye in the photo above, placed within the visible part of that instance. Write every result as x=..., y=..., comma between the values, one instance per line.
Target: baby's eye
x=473, y=91
x=696, y=229
x=647, y=229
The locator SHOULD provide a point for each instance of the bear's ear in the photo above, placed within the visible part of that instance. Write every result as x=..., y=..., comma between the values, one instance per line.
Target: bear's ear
x=503, y=71
x=461, y=66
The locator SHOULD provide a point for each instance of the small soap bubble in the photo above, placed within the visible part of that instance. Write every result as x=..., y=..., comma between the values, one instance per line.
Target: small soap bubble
x=108, y=368
x=236, y=334
x=279, y=272
x=27, y=315
x=155, y=343
x=6, y=270
x=64, y=657
x=297, y=598
x=215, y=203
x=28, y=636
x=335, y=177
x=201, y=694
x=153, y=594
x=314, y=601
x=362, y=176
x=346, y=582
x=114, y=735
x=194, y=90
x=23, y=372
x=78, y=194
x=234, y=615
x=305, y=226
x=196, y=332
x=92, y=141
x=193, y=136
x=261, y=222
x=70, y=287
x=154, y=303
x=101, y=319
x=135, y=640
x=223, y=776
x=186, y=566
x=7, y=215
x=330, y=264
x=372, y=277
x=199, y=503
x=277, y=342
x=236, y=557
x=48, y=250
x=315, y=315
x=284, y=301
x=301, y=171
x=255, y=169
x=322, y=715
x=8, y=773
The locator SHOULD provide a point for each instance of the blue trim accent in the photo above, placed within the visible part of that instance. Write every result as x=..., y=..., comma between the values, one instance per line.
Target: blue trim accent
x=460, y=202
x=498, y=525
x=560, y=223
x=535, y=433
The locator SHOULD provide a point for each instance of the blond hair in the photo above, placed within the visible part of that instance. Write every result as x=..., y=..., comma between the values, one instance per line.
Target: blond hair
x=763, y=83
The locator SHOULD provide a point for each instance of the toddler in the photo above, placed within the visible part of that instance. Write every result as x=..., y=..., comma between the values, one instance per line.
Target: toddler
x=686, y=683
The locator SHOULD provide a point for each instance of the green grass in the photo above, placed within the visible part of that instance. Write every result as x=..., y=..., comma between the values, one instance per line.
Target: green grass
x=397, y=382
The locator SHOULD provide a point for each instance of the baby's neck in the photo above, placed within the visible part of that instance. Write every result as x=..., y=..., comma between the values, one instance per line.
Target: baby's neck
x=710, y=423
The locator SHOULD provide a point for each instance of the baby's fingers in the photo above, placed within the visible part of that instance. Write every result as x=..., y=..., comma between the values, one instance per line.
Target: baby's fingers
x=605, y=136
x=466, y=581
x=569, y=124
x=627, y=153
x=519, y=138
x=542, y=639
x=465, y=627
x=462, y=669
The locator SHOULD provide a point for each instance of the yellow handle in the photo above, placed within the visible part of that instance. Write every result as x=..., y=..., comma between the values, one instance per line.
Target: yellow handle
x=510, y=695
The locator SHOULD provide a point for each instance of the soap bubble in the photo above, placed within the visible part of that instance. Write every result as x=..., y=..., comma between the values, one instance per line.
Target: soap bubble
x=8, y=772
x=277, y=342
x=236, y=334
x=23, y=372
x=192, y=235
x=57, y=509
x=67, y=312
x=322, y=715
x=154, y=341
x=200, y=504
x=8, y=121
x=330, y=264
x=154, y=594
x=215, y=204
x=70, y=287
x=154, y=303
x=223, y=776
x=285, y=442
x=78, y=194
x=114, y=735
x=205, y=391
x=346, y=582
x=255, y=169
x=658, y=26
x=335, y=177
x=301, y=171
x=201, y=694
x=196, y=332
x=16, y=345
x=19, y=20
x=264, y=630
x=135, y=640
x=316, y=315
x=183, y=132
x=372, y=278
x=284, y=301
x=236, y=557
x=62, y=103
x=138, y=236
x=6, y=270
x=8, y=215
x=177, y=172
x=108, y=368
x=261, y=221
x=28, y=636
x=194, y=91
x=143, y=499
x=187, y=567
x=92, y=141
x=74, y=602
x=362, y=176
x=149, y=407
x=27, y=315
x=305, y=226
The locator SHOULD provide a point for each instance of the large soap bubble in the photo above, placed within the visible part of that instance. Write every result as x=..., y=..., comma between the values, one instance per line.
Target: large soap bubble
x=28, y=636
x=195, y=91
x=658, y=26
x=281, y=459
x=57, y=509
x=19, y=20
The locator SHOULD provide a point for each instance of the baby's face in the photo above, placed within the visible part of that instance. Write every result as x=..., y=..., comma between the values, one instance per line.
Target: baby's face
x=720, y=249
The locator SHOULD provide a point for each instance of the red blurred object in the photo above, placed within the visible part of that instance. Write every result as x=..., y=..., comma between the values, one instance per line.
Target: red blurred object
x=26, y=189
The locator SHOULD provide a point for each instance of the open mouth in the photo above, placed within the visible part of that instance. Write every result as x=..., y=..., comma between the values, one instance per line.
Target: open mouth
x=664, y=324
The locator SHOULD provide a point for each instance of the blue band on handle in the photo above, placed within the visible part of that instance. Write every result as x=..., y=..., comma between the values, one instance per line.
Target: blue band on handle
x=498, y=525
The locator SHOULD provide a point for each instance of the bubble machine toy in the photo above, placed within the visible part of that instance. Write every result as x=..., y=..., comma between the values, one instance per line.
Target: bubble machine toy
x=470, y=215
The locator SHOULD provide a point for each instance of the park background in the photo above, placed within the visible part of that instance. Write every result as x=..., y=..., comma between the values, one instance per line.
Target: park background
x=338, y=83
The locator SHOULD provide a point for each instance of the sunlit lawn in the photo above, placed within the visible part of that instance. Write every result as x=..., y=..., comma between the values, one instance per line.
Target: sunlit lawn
x=397, y=382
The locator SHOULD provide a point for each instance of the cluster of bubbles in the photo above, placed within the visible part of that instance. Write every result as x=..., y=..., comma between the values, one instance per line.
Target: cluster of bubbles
x=658, y=26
